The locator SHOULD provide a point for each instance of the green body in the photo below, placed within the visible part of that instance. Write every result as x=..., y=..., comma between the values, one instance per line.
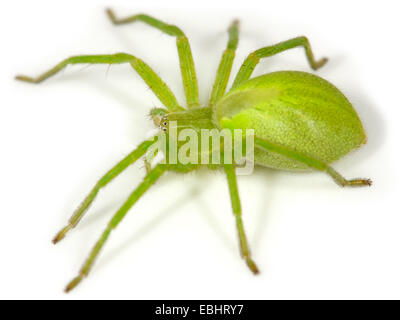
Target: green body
x=297, y=110
x=300, y=121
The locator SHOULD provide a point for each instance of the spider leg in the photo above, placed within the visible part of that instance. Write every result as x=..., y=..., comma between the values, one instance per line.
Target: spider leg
x=185, y=54
x=148, y=181
x=148, y=160
x=108, y=177
x=158, y=86
x=225, y=66
x=237, y=210
x=311, y=162
x=253, y=58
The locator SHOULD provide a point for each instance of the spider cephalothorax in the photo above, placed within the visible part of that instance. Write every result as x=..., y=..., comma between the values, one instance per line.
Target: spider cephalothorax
x=298, y=120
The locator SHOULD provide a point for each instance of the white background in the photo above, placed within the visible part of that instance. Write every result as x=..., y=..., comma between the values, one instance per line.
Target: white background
x=310, y=238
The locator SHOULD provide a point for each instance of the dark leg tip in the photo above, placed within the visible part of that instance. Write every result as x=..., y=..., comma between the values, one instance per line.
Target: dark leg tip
x=252, y=266
x=360, y=183
x=320, y=63
x=56, y=240
x=73, y=284
x=24, y=78
x=61, y=234
x=111, y=15
x=235, y=22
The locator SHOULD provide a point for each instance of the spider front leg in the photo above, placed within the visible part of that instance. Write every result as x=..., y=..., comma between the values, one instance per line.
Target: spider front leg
x=253, y=58
x=107, y=178
x=237, y=210
x=148, y=181
x=158, y=86
x=149, y=159
x=185, y=54
x=311, y=162
x=225, y=66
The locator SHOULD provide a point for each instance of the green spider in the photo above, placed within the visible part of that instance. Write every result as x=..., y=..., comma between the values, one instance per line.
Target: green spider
x=300, y=121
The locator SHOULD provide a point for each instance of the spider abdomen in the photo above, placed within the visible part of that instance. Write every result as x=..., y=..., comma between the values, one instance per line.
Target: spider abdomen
x=297, y=110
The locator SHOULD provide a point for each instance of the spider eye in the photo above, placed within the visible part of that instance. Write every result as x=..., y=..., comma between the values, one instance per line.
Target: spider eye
x=164, y=123
x=164, y=129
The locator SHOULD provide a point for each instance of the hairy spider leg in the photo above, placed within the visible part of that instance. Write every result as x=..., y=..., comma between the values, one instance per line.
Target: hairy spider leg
x=156, y=84
x=184, y=52
x=253, y=58
x=148, y=181
x=313, y=163
x=237, y=211
x=225, y=65
x=107, y=178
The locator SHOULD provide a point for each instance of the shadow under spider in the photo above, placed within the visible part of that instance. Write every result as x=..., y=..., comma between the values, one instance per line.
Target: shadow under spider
x=150, y=226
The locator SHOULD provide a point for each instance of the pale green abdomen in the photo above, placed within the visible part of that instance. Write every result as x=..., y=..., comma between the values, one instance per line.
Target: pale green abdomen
x=295, y=109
